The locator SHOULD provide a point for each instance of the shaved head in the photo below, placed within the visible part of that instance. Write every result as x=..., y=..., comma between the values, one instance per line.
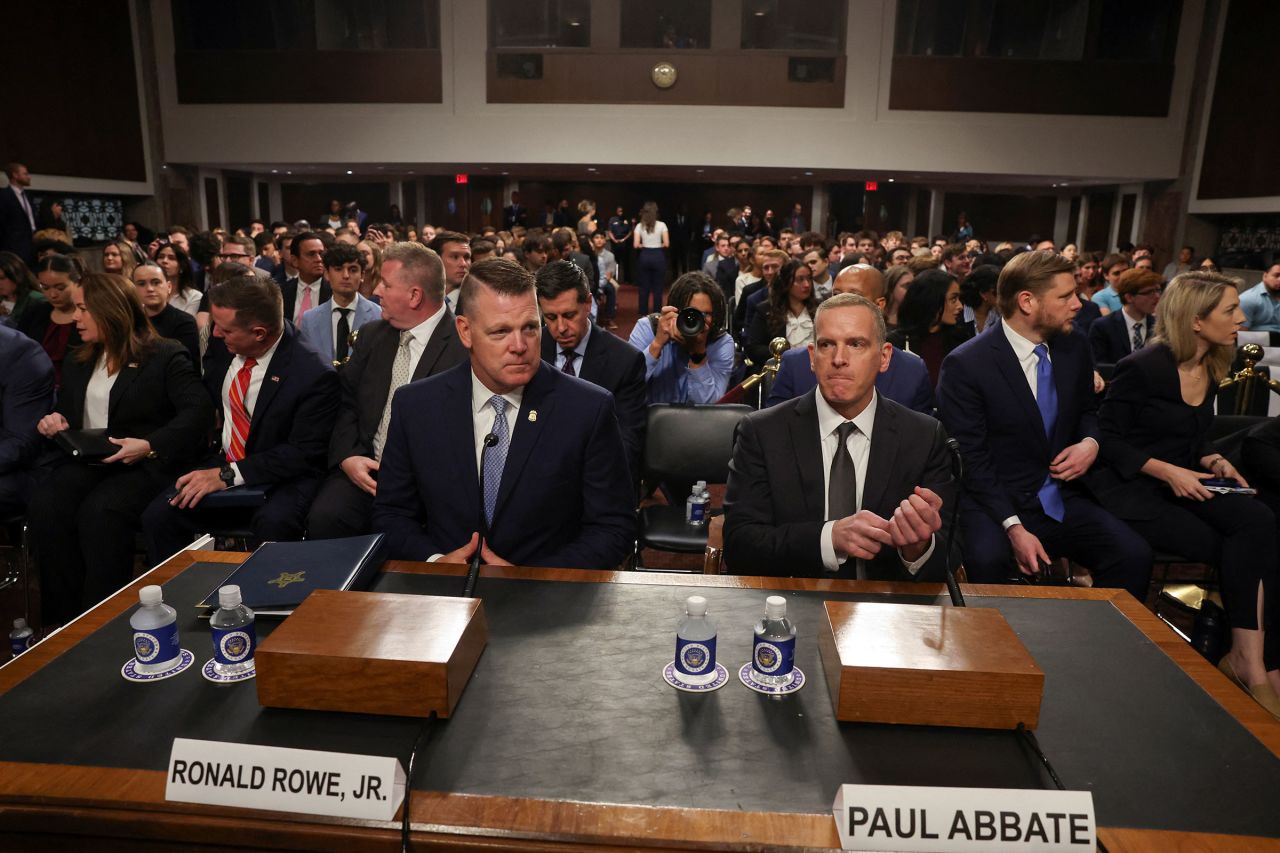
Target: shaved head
x=862, y=279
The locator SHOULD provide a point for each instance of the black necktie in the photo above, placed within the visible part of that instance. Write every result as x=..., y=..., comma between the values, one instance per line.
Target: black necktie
x=569, y=356
x=842, y=488
x=343, y=333
x=1138, y=340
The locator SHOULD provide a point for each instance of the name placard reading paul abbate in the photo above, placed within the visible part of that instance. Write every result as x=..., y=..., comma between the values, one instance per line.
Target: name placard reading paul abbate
x=963, y=820
x=303, y=781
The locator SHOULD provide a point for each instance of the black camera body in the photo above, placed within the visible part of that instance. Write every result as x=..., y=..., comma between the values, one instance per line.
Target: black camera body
x=690, y=322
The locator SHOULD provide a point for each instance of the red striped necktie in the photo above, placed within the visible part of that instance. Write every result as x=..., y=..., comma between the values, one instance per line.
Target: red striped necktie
x=239, y=413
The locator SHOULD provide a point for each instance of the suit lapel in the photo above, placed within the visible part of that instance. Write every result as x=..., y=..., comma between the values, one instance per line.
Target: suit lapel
x=1065, y=381
x=884, y=451
x=807, y=449
x=128, y=374
x=456, y=421
x=594, y=361
x=271, y=383
x=536, y=406
x=1007, y=363
x=436, y=345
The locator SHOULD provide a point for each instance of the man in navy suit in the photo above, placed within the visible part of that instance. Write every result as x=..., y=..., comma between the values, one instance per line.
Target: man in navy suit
x=278, y=399
x=26, y=396
x=572, y=344
x=1019, y=399
x=905, y=380
x=17, y=214
x=1126, y=331
x=508, y=443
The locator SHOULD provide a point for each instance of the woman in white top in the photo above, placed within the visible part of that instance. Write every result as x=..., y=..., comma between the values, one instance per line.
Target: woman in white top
x=177, y=269
x=789, y=314
x=142, y=390
x=650, y=241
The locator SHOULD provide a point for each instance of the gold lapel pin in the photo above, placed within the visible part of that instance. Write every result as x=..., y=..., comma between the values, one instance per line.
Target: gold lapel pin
x=533, y=416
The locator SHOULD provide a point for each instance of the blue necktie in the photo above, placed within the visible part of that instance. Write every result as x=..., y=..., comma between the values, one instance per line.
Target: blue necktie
x=495, y=458
x=1047, y=402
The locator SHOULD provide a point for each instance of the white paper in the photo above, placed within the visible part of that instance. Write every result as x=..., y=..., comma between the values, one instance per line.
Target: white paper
x=302, y=781
x=901, y=817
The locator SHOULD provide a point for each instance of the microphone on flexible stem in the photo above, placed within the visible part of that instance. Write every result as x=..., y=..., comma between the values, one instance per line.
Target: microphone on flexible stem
x=957, y=471
x=473, y=570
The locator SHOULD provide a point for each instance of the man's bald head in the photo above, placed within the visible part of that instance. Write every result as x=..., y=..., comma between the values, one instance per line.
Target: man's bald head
x=863, y=279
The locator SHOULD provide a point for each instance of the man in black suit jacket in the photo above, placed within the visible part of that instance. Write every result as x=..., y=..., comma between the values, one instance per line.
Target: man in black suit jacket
x=841, y=481
x=414, y=339
x=17, y=214
x=277, y=399
x=1114, y=336
x=515, y=214
x=26, y=396
x=308, y=250
x=1019, y=399
x=593, y=354
x=556, y=489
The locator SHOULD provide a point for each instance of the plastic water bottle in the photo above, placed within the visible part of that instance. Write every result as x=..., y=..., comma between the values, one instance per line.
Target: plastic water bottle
x=696, y=643
x=234, y=637
x=155, y=633
x=773, y=656
x=695, y=507
x=21, y=637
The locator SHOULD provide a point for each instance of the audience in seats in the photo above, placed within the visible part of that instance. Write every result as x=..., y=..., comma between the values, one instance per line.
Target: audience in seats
x=930, y=320
x=19, y=290
x=1088, y=282
x=1112, y=267
x=1126, y=331
x=1157, y=457
x=143, y=390
x=1019, y=399
x=414, y=339
x=574, y=345
x=840, y=482
x=327, y=328
x=680, y=369
x=1261, y=303
x=787, y=314
x=309, y=288
x=52, y=322
x=169, y=322
x=26, y=395
x=177, y=270
x=754, y=293
x=904, y=378
x=277, y=399
x=556, y=488
x=117, y=258
x=978, y=294
x=897, y=279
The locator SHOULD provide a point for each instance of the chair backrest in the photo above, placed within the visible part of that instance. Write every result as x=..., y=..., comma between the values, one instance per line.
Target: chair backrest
x=688, y=443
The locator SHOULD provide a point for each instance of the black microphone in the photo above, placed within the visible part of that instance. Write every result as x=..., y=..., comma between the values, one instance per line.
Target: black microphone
x=473, y=570
x=957, y=471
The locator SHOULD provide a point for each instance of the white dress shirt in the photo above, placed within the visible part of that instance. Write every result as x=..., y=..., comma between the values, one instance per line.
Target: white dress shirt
x=483, y=417
x=256, y=377
x=421, y=336
x=799, y=329
x=1024, y=351
x=188, y=300
x=97, y=396
x=580, y=349
x=314, y=287
x=858, y=447
x=451, y=299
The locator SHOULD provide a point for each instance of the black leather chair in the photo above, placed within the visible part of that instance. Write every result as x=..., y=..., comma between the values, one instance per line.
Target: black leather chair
x=17, y=569
x=684, y=444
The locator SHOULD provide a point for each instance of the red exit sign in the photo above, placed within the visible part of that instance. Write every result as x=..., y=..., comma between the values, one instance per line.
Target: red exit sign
x=461, y=179
x=872, y=186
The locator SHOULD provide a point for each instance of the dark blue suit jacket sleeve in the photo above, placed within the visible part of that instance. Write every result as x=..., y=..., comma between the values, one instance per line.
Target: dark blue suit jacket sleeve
x=962, y=408
x=918, y=390
x=306, y=451
x=26, y=396
x=398, y=508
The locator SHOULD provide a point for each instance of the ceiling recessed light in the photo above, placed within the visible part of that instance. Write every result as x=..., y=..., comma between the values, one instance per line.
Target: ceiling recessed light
x=591, y=168
x=349, y=172
x=891, y=180
x=411, y=171
x=759, y=14
x=275, y=171
x=808, y=174
x=1054, y=185
x=506, y=173
x=289, y=173
x=1064, y=183
x=575, y=23
x=700, y=171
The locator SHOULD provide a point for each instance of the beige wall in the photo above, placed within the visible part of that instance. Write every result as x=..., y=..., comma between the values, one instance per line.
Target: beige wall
x=863, y=135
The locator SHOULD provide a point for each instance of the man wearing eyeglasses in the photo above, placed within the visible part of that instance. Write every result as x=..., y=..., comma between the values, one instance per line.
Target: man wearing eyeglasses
x=236, y=250
x=1126, y=331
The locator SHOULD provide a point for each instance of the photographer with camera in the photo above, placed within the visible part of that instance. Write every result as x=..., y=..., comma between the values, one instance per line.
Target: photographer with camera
x=687, y=352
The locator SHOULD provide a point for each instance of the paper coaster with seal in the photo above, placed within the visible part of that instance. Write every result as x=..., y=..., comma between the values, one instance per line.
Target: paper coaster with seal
x=213, y=675
x=130, y=672
x=796, y=682
x=699, y=684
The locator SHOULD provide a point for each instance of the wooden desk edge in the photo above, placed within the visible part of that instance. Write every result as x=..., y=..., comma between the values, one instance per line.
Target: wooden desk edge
x=135, y=793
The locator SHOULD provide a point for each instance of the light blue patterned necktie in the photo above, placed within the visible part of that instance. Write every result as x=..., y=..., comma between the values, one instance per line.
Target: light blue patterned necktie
x=495, y=458
x=1047, y=401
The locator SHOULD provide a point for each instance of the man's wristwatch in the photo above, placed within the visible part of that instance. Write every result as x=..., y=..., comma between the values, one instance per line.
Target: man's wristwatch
x=227, y=474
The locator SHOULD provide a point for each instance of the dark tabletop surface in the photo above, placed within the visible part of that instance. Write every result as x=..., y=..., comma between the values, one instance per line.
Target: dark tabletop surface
x=567, y=702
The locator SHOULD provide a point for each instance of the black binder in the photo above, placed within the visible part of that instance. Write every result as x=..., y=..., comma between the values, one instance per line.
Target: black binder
x=88, y=445
x=235, y=497
x=279, y=575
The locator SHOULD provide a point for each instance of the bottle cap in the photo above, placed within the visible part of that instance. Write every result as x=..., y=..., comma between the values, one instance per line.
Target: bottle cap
x=229, y=596
x=150, y=596
x=775, y=607
x=19, y=624
x=695, y=605
x=700, y=486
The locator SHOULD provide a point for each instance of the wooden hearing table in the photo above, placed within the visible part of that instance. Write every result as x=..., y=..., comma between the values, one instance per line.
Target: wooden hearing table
x=119, y=803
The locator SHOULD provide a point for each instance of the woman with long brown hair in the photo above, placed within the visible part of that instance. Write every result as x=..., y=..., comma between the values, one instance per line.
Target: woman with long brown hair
x=1157, y=461
x=19, y=290
x=142, y=390
x=52, y=322
x=789, y=314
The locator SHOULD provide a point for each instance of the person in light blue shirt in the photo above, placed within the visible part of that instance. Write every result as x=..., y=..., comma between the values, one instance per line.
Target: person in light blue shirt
x=680, y=369
x=1113, y=266
x=1261, y=303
